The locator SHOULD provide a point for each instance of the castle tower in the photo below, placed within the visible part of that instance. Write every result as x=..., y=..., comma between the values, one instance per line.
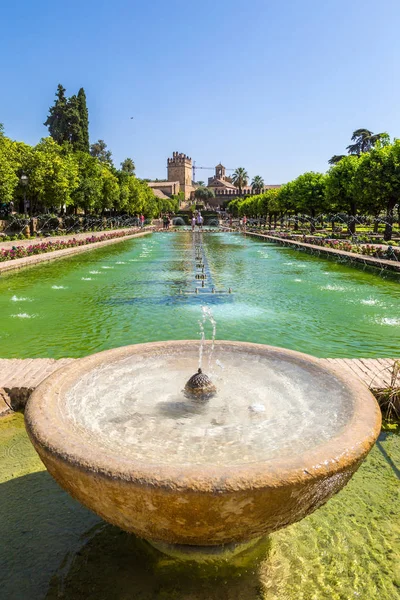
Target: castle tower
x=180, y=169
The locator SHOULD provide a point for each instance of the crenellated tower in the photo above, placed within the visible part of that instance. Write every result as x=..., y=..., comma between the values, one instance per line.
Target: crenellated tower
x=180, y=169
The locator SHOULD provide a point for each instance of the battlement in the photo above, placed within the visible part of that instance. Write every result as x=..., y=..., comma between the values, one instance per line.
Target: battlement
x=179, y=158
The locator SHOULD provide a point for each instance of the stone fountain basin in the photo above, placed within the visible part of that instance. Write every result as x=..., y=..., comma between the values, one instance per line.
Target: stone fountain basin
x=199, y=504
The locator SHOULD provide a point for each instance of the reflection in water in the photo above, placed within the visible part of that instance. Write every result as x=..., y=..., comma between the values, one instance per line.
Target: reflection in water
x=116, y=565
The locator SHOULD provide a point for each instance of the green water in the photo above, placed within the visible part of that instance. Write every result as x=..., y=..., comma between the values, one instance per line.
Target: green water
x=76, y=306
x=52, y=548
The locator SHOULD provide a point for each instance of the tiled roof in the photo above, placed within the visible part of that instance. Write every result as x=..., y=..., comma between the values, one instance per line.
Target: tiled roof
x=213, y=181
x=160, y=194
x=155, y=184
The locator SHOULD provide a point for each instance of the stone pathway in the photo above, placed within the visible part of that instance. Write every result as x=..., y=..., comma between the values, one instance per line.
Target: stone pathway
x=19, y=377
x=376, y=373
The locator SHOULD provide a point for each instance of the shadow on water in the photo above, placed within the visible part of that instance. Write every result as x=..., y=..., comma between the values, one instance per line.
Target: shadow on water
x=382, y=438
x=38, y=523
x=53, y=548
x=116, y=565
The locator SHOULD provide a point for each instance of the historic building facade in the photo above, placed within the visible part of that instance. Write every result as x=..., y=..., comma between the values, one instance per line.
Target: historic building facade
x=180, y=169
x=179, y=173
x=224, y=189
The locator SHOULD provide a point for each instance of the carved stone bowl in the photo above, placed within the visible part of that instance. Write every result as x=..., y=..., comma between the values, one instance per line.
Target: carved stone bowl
x=202, y=504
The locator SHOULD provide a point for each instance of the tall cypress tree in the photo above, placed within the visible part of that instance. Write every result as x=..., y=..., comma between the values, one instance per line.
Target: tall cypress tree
x=84, y=119
x=68, y=120
x=74, y=124
x=57, y=121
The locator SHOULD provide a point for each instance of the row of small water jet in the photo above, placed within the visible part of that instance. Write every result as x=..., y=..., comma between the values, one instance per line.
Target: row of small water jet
x=202, y=271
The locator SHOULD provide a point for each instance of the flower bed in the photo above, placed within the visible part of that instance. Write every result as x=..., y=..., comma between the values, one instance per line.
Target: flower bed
x=24, y=251
x=375, y=251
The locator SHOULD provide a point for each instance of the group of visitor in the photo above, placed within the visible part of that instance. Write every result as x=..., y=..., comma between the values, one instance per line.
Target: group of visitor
x=243, y=222
x=197, y=219
x=140, y=220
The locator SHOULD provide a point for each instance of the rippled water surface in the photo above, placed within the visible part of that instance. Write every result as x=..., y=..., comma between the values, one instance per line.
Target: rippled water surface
x=136, y=407
x=52, y=548
x=142, y=290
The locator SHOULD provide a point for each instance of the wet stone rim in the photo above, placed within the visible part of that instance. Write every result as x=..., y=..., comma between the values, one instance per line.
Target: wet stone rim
x=49, y=433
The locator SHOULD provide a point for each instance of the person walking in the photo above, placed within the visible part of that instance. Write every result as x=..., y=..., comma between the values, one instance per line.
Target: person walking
x=142, y=220
x=193, y=222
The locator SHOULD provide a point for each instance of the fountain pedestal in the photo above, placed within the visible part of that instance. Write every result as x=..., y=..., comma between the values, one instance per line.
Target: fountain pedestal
x=183, y=473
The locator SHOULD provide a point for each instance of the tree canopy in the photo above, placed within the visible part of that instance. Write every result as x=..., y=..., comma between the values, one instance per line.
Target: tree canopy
x=128, y=166
x=99, y=150
x=364, y=140
x=204, y=194
x=358, y=184
x=60, y=178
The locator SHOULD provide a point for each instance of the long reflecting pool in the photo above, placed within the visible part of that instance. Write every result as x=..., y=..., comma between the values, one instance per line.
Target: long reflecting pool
x=52, y=548
x=143, y=290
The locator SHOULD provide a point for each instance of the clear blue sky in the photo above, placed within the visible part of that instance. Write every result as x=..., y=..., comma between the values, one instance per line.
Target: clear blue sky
x=274, y=86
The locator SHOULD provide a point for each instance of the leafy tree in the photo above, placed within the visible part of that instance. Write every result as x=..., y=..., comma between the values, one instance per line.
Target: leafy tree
x=200, y=183
x=341, y=192
x=378, y=181
x=53, y=175
x=151, y=203
x=274, y=206
x=128, y=166
x=84, y=120
x=286, y=197
x=177, y=201
x=240, y=179
x=88, y=192
x=109, y=196
x=309, y=194
x=99, y=150
x=204, y=194
x=9, y=165
x=257, y=184
x=233, y=207
x=263, y=203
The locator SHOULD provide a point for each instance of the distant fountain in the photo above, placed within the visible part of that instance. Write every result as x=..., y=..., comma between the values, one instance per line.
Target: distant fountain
x=261, y=442
x=178, y=221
